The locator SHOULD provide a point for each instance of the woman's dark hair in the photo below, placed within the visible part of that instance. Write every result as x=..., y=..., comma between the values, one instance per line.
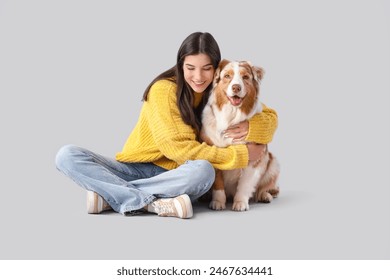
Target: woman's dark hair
x=196, y=43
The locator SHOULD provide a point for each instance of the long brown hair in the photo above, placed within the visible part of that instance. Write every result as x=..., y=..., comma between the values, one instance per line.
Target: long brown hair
x=195, y=43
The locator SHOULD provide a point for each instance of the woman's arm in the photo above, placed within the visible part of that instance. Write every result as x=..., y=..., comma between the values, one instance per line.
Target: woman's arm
x=259, y=129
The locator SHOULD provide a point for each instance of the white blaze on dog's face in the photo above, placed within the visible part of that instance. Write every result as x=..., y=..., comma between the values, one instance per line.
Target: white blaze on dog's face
x=236, y=89
x=239, y=80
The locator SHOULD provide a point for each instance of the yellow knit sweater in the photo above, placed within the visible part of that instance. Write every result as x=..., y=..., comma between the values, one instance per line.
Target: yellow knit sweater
x=160, y=135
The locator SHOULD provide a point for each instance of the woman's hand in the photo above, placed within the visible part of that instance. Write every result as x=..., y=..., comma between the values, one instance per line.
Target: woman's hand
x=256, y=152
x=238, y=131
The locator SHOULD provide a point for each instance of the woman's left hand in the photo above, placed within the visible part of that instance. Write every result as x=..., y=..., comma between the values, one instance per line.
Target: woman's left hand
x=238, y=131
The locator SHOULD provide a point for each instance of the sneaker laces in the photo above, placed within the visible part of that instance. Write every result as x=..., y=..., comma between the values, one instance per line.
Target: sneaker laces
x=165, y=208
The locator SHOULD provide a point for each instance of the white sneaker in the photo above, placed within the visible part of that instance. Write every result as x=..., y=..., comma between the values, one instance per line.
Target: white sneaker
x=96, y=204
x=179, y=206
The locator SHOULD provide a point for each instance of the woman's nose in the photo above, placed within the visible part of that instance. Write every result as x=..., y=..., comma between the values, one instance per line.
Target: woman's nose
x=198, y=74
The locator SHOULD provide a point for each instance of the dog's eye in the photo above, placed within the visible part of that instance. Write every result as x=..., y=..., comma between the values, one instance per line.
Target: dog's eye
x=246, y=77
x=227, y=76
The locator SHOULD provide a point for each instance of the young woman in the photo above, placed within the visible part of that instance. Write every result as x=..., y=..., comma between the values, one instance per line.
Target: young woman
x=162, y=166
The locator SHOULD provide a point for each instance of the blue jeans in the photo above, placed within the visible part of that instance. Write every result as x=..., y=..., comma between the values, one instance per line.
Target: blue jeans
x=128, y=187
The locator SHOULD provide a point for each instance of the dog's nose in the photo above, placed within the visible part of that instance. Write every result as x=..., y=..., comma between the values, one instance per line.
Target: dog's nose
x=236, y=88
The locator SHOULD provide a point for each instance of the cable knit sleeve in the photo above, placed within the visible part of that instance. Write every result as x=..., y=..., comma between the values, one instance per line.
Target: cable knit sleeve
x=177, y=140
x=262, y=126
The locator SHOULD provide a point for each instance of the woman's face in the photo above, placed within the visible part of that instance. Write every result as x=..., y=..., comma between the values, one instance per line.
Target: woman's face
x=198, y=71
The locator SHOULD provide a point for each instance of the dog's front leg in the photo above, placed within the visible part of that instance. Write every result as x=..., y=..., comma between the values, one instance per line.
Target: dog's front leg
x=246, y=187
x=218, y=201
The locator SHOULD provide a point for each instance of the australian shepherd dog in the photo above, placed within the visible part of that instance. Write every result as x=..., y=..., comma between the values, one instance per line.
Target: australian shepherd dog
x=233, y=99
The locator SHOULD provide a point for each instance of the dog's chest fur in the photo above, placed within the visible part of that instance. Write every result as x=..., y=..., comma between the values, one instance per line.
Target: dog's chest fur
x=217, y=119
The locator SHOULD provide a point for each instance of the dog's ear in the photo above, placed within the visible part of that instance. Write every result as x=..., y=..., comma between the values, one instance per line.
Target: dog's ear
x=258, y=73
x=221, y=65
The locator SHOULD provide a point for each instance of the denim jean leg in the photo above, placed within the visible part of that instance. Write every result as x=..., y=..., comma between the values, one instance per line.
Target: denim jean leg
x=107, y=177
x=194, y=178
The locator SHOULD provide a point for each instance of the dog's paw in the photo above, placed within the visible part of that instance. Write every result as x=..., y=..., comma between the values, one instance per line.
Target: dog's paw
x=240, y=206
x=274, y=192
x=264, y=197
x=217, y=205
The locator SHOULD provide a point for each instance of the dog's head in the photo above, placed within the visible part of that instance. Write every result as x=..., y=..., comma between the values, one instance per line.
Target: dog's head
x=238, y=81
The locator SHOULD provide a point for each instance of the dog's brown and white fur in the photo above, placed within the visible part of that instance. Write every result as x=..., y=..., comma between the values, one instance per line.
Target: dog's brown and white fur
x=233, y=99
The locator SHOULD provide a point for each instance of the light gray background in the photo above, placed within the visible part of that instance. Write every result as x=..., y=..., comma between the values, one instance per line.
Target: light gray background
x=74, y=72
